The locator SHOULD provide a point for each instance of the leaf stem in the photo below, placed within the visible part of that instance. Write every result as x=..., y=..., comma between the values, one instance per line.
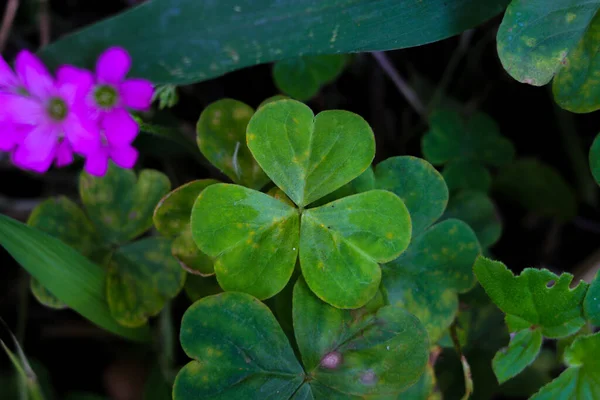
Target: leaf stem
x=9, y=16
x=406, y=91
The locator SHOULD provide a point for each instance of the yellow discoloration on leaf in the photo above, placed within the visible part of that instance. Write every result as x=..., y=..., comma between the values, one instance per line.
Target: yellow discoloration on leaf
x=570, y=17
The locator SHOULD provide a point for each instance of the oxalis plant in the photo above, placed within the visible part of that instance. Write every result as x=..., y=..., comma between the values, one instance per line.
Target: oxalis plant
x=290, y=259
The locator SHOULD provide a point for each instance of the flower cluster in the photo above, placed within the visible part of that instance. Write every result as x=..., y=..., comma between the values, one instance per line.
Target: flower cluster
x=46, y=119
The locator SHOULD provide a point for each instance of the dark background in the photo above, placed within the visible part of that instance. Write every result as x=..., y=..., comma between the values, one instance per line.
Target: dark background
x=81, y=357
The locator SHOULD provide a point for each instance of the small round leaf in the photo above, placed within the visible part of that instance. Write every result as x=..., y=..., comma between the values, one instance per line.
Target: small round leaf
x=141, y=278
x=252, y=237
x=221, y=137
x=120, y=206
x=309, y=157
x=465, y=174
x=239, y=352
x=341, y=244
x=418, y=184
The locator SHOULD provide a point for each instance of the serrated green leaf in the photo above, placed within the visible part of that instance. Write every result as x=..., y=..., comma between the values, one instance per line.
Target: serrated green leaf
x=595, y=159
x=303, y=77
x=427, y=277
x=141, y=278
x=581, y=381
x=537, y=298
x=119, y=205
x=535, y=36
x=63, y=219
x=239, y=352
x=522, y=350
x=172, y=219
x=233, y=36
x=309, y=156
x=591, y=303
x=71, y=277
x=221, y=137
x=476, y=209
x=343, y=242
x=418, y=184
x=252, y=237
x=466, y=174
x=537, y=187
x=450, y=138
x=374, y=350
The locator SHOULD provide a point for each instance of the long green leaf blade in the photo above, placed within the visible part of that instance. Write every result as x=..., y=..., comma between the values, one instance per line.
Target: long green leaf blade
x=67, y=274
x=188, y=41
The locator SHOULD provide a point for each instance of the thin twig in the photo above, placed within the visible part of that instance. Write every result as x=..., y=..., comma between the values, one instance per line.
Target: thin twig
x=44, y=23
x=406, y=91
x=9, y=16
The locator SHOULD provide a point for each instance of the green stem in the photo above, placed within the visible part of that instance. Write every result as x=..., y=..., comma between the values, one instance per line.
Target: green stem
x=166, y=344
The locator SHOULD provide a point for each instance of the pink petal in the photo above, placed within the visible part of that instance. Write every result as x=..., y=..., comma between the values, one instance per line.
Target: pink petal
x=113, y=65
x=82, y=134
x=124, y=157
x=38, y=149
x=120, y=128
x=96, y=163
x=76, y=80
x=34, y=75
x=12, y=134
x=64, y=154
x=137, y=93
x=8, y=79
x=20, y=109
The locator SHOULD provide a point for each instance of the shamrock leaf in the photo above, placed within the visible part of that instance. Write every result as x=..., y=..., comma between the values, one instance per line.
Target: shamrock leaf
x=595, y=159
x=252, y=237
x=63, y=219
x=255, y=237
x=466, y=174
x=341, y=244
x=240, y=351
x=418, y=184
x=536, y=299
x=537, y=187
x=172, y=219
x=306, y=156
x=476, y=209
x=374, y=350
x=523, y=349
x=302, y=77
x=221, y=137
x=538, y=41
x=119, y=205
x=437, y=265
x=477, y=139
x=141, y=275
x=581, y=381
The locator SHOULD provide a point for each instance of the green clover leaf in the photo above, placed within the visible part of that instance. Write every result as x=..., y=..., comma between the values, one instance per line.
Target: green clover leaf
x=437, y=265
x=255, y=238
x=172, y=219
x=142, y=276
x=309, y=157
x=478, y=139
x=522, y=350
x=538, y=40
x=221, y=137
x=303, y=77
x=240, y=351
x=538, y=187
x=467, y=174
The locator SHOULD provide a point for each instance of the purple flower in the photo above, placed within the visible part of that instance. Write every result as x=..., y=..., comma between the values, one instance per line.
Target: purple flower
x=48, y=121
x=109, y=99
